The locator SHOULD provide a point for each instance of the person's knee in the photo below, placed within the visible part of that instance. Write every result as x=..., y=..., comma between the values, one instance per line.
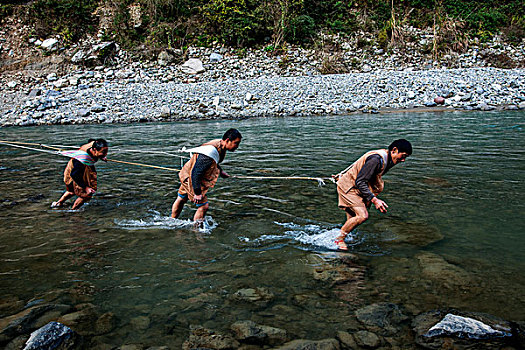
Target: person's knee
x=361, y=217
x=204, y=207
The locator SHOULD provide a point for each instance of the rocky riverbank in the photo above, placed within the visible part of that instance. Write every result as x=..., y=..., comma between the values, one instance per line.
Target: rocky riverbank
x=151, y=94
x=222, y=83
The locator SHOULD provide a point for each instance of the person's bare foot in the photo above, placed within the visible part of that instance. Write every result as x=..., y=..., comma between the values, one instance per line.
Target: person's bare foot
x=341, y=245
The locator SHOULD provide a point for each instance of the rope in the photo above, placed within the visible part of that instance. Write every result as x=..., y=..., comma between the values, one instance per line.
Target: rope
x=141, y=164
x=320, y=180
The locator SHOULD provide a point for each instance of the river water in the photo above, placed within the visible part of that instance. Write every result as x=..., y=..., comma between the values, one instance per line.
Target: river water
x=453, y=236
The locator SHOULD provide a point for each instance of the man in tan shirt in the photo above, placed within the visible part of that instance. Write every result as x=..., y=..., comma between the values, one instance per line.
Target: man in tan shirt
x=359, y=185
x=202, y=171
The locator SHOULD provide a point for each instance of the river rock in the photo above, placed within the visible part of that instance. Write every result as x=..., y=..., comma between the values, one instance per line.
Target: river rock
x=303, y=344
x=29, y=319
x=250, y=332
x=347, y=340
x=460, y=330
x=165, y=58
x=105, y=323
x=83, y=113
x=436, y=268
x=382, y=318
x=207, y=339
x=367, y=339
x=192, y=66
x=54, y=335
x=253, y=295
x=215, y=57
x=49, y=44
x=82, y=321
x=439, y=100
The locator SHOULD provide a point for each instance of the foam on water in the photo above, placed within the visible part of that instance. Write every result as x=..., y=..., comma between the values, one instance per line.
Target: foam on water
x=156, y=220
x=313, y=236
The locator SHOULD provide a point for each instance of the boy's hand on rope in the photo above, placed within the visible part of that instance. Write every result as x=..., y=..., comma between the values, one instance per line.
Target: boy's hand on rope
x=90, y=190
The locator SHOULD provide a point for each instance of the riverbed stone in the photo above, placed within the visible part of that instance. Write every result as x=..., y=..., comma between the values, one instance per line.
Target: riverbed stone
x=82, y=321
x=347, y=340
x=382, y=318
x=254, y=294
x=434, y=267
x=250, y=332
x=303, y=344
x=367, y=339
x=26, y=321
x=207, y=339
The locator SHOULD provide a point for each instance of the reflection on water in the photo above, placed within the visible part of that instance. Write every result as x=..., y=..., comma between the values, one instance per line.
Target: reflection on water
x=452, y=236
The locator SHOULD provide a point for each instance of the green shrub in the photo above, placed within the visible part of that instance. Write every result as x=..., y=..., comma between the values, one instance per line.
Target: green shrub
x=70, y=18
x=300, y=30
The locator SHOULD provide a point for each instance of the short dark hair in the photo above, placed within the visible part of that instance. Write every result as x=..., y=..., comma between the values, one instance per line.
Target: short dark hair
x=402, y=145
x=98, y=144
x=232, y=134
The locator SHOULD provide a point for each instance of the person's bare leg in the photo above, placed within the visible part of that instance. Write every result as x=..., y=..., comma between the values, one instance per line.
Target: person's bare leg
x=201, y=212
x=79, y=202
x=354, y=218
x=62, y=199
x=177, y=206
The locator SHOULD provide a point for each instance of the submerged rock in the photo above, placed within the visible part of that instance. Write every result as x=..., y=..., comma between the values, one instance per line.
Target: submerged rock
x=250, y=332
x=383, y=318
x=29, y=319
x=303, y=344
x=207, y=339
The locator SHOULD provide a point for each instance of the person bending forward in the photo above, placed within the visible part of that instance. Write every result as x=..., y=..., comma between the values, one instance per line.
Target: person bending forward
x=202, y=171
x=359, y=185
x=80, y=175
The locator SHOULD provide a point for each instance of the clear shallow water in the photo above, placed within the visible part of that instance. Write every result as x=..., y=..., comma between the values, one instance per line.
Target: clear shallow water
x=459, y=197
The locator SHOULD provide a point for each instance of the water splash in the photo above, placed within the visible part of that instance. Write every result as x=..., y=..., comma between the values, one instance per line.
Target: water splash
x=156, y=220
x=310, y=236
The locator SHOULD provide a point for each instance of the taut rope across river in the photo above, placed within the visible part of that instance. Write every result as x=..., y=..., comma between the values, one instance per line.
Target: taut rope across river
x=58, y=149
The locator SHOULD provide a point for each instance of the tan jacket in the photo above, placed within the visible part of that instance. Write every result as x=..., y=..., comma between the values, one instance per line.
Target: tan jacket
x=90, y=173
x=346, y=181
x=210, y=176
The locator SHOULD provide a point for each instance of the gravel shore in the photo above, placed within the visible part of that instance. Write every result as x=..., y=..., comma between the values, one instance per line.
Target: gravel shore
x=123, y=96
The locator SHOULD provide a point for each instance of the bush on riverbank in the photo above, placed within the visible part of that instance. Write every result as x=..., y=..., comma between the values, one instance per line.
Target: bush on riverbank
x=269, y=23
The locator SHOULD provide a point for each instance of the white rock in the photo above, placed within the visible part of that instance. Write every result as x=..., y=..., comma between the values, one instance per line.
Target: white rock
x=60, y=83
x=49, y=44
x=192, y=66
x=248, y=96
x=12, y=84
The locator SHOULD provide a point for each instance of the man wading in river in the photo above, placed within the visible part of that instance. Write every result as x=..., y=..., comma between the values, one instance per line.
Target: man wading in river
x=202, y=171
x=361, y=182
x=80, y=175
